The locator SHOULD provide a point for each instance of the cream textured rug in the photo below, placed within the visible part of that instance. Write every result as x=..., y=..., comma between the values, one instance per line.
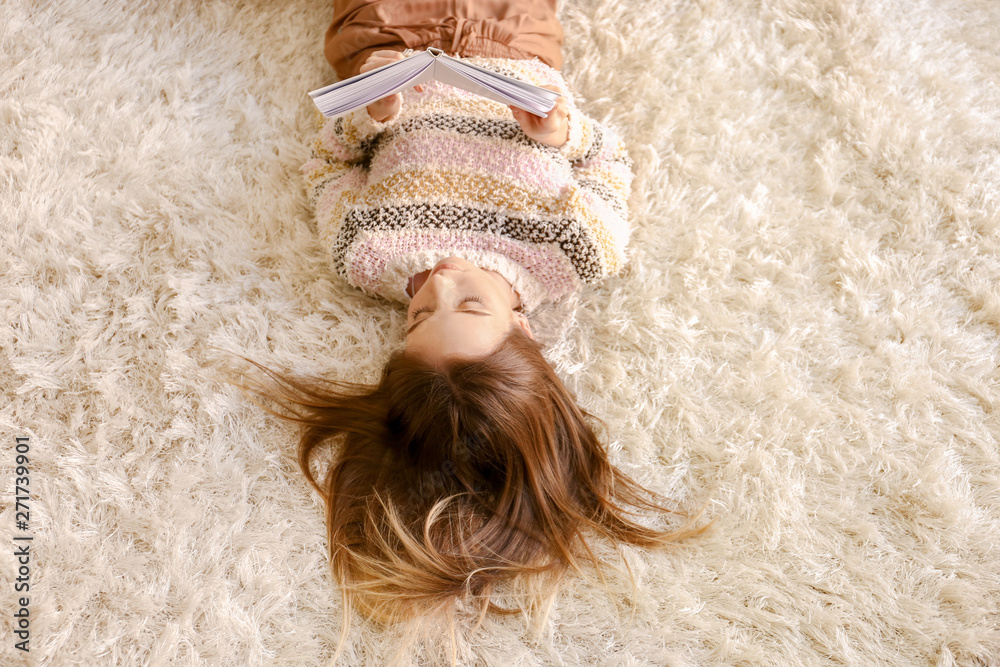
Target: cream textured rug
x=807, y=337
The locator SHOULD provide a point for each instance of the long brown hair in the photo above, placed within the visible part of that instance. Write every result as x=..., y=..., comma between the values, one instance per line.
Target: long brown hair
x=450, y=480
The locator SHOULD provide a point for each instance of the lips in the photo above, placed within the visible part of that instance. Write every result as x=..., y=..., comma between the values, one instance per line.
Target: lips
x=416, y=282
x=442, y=267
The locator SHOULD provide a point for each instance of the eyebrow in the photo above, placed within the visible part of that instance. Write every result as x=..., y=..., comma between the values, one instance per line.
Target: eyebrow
x=478, y=313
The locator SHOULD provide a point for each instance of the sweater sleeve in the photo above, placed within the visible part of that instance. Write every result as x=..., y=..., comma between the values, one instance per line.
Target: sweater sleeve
x=601, y=173
x=602, y=180
x=336, y=174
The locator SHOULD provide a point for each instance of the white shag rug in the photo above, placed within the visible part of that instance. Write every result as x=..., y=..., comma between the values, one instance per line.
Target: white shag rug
x=807, y=337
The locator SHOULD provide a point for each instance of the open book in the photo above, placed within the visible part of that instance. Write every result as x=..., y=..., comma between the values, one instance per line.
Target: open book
x=359, y=91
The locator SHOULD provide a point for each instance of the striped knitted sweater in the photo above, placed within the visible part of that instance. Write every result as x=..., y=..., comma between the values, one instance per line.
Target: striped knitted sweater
x=454, y=175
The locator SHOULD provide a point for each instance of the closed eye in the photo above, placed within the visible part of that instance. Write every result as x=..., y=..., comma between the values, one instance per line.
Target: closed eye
x=428, y=309
x=467, y=299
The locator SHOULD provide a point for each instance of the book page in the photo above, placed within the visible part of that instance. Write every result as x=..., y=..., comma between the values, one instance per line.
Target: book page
x=497, y=87
x=345, y=96
x=358, y=91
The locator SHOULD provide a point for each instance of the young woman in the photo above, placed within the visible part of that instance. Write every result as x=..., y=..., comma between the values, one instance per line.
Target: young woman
x=469, y=465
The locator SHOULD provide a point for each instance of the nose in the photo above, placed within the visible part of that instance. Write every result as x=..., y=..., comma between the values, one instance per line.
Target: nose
x=440, y=283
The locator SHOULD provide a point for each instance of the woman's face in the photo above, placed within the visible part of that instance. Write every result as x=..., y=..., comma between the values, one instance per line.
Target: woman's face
x=460, y=310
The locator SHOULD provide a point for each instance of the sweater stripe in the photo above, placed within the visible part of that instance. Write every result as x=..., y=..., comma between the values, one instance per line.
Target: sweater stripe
x=547, y=262
x=521, y=165
x=569, y=235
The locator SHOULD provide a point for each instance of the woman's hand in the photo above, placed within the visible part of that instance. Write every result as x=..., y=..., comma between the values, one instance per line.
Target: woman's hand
x=552, y=130
x=387, y=107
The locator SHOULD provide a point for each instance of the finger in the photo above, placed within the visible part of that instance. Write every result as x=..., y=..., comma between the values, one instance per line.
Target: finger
x=374, y=63
x=384, y=103
x=527, y=118
x=377, y=59
x=387, y=53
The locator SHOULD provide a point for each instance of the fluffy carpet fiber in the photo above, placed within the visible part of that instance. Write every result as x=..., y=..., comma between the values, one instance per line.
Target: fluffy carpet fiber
x=806, y=339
